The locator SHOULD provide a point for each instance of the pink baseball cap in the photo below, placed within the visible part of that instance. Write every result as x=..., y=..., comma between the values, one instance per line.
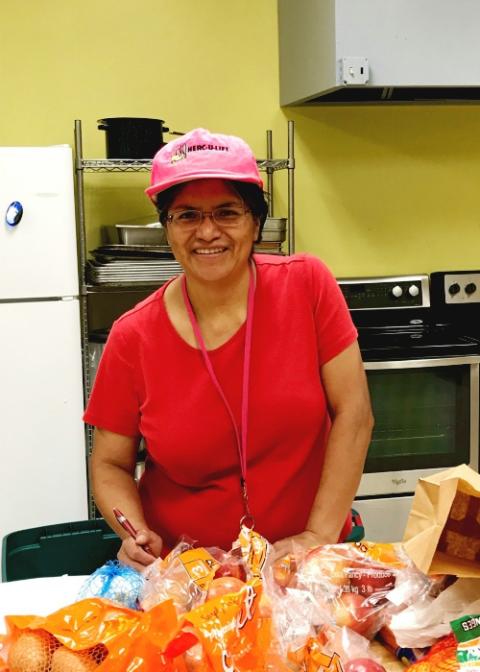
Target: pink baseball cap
x=200, y=154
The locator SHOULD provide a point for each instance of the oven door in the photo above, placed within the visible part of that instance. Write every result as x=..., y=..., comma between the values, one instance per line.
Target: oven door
x=384, y=518
x=426, y=420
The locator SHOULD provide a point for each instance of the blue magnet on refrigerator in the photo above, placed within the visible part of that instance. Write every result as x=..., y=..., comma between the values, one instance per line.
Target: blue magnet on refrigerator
x=14, y=214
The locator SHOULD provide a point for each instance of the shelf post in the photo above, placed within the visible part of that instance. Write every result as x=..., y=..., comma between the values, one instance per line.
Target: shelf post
x=82, y=243
x=291, y=188
x=269, y=171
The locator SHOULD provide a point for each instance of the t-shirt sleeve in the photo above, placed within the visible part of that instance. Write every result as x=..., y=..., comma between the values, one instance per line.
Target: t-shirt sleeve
x=334, y=325
x=114, y=401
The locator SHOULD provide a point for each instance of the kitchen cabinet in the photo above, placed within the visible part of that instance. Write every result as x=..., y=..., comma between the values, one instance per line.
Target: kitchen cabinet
x=130, y=294
x=346, y=52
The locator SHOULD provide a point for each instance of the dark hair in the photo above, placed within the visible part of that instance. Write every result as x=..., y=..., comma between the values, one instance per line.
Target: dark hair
x=250, y=193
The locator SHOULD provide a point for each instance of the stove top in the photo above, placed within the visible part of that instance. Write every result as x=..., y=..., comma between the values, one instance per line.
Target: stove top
x=378, y=344
x=410, y=317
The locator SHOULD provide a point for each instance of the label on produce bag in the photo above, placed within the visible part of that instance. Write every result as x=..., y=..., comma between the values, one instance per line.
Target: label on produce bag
x=467, y=633
x=255, y=549
x=199, y=565
x=313, y=657
x=389, y=554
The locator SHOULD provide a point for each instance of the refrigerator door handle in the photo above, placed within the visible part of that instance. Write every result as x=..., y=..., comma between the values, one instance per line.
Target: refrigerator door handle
x=14, y=214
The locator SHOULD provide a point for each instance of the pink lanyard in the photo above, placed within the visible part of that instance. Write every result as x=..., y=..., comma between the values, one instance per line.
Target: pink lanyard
x=240, y=437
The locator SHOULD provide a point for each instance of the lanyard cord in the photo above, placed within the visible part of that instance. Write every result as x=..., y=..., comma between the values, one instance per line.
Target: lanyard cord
x=240, y=437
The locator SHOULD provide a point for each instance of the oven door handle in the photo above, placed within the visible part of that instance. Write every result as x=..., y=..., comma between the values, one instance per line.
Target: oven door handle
x=421, y=363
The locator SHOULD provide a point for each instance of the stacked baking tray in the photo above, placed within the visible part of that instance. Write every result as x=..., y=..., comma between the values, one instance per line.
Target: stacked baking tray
x=273, y=235
x=131, y=264
x=141, y=257
x=112, y=266
x=268, y=248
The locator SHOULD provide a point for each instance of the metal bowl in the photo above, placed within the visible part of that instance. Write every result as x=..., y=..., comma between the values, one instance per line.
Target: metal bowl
x=275, y=224
x=136, y=234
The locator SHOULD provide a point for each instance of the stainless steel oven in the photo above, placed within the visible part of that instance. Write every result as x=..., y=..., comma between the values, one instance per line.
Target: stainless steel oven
x=423, y=377
x=426, y=413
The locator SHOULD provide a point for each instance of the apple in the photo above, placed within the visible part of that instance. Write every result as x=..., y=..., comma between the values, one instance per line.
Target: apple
x=363, y=665
x=235, y=569
x=368, y=579
x=353, y=611
x=321, y=566
x=223, y=586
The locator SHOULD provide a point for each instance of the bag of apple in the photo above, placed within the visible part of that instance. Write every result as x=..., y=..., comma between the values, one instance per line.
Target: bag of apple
x=189, y=576
x=304, y=635
x=356, y=585
x=218, y=594
x=233, y=624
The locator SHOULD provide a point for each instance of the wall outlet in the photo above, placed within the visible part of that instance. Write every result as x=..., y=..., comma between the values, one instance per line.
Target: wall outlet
x=354, y=70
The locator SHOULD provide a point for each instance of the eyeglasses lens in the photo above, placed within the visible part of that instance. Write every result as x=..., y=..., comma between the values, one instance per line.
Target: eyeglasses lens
x=222, y=216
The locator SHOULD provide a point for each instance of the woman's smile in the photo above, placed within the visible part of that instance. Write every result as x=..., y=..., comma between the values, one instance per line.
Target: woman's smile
x=209, y=250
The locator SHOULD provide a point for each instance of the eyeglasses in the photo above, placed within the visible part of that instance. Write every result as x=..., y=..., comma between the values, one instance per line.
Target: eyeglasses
x=230, y=215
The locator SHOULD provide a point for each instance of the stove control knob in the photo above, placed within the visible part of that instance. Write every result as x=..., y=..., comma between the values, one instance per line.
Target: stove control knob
x=454, y=289
x=413, y=290
x=397, y=291
x=470, y=288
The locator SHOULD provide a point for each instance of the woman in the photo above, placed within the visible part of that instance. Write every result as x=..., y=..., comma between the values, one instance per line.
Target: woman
x=243, y=375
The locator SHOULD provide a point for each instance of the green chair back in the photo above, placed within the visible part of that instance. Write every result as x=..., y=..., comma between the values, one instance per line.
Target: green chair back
x=67, y=548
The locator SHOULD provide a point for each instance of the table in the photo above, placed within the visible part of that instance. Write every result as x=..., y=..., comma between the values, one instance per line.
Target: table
x=45, y=595
x=37, y=596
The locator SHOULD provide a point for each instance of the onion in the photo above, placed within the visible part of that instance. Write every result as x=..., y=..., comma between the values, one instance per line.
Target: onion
x=32, y=652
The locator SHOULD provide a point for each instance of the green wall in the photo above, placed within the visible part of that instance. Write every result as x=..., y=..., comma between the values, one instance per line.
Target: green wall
x=378, y=189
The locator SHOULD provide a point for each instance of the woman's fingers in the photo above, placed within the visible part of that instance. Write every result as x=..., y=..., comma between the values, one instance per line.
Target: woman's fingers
x=131, y=553
x=150, y=542
x=305, y=540
x=127, y=560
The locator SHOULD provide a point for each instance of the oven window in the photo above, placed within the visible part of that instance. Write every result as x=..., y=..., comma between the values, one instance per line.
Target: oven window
x=422, y=418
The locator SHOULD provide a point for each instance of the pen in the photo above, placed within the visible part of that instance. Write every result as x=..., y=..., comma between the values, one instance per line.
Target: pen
x=128, y=527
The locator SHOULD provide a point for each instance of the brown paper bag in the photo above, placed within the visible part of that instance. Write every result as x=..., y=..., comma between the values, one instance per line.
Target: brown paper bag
x=443, y=529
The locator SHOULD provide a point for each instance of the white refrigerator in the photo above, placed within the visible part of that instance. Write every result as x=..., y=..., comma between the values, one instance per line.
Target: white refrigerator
x=42, y=442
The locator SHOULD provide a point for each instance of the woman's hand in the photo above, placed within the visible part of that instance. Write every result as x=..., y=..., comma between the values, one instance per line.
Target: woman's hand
x=131, y=551
x=306, y=540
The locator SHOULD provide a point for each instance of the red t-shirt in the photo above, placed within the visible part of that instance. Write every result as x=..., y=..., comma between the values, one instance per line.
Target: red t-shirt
x=150, y=382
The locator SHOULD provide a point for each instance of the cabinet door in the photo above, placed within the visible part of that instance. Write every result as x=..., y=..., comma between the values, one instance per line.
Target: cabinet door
x=42, y=440
x=38, y=255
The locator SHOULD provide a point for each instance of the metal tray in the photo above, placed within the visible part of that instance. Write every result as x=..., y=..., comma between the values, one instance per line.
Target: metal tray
x=134, y=234
x=268, y=248
x=272, y=236
x=275, y=224
x=109, y=274
x=119, y=250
